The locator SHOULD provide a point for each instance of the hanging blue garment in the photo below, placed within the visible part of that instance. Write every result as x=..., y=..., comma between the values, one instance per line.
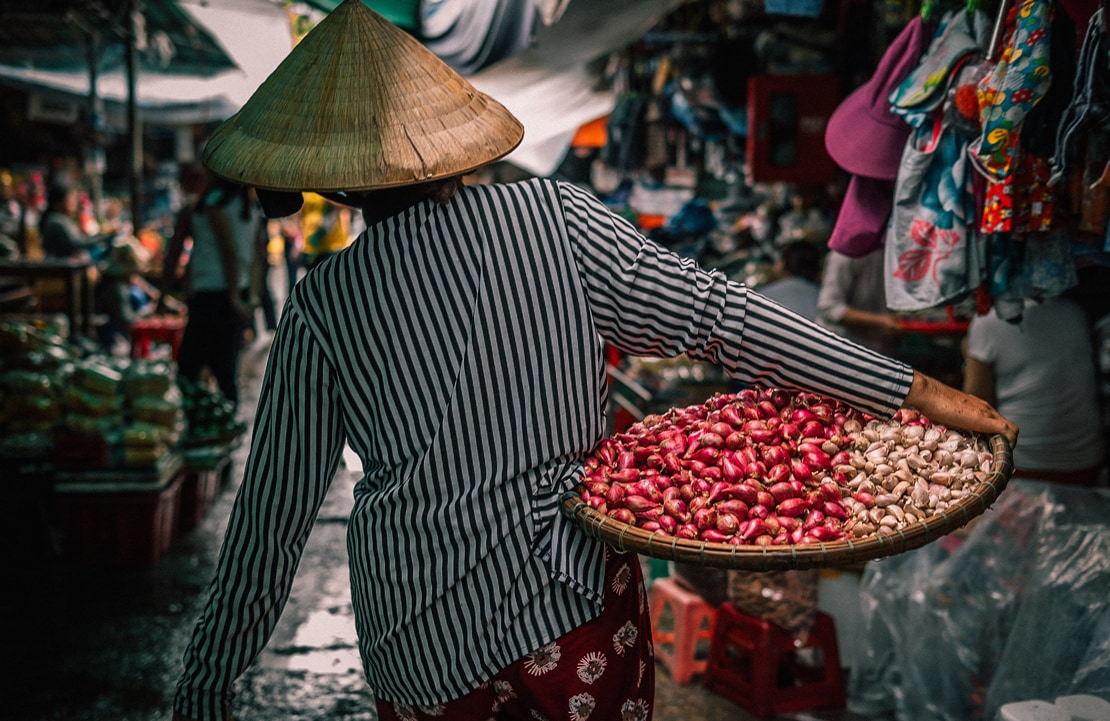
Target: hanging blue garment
x=796, y=8
x=1039, y=265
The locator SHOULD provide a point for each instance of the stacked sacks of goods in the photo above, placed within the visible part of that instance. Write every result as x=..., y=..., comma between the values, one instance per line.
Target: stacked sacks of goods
x=35, y=363
x=94, y=415
x=156, y=414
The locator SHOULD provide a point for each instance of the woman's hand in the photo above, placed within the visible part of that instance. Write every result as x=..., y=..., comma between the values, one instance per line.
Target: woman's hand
x=944, y=404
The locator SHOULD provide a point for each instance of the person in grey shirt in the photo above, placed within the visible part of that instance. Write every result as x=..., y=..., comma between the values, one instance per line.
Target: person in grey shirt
x=852, y=301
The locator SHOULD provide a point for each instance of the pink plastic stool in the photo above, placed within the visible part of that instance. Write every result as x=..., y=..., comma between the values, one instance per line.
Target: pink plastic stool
x=755, y=663
x=693, y=622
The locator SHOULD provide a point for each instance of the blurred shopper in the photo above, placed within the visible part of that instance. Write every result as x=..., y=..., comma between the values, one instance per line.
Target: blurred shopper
x=852, y=301
x=174, y=259
x=1040, y=372
x=292, y=247
x=13, y=215
x=458, y=348
x=325, y=229
x=222, y=281
x=61, y=234
x=265, y=293
x=795, y=278
x=123, y=295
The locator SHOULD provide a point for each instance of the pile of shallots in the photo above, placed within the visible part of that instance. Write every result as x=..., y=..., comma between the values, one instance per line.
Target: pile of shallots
x=771, y=467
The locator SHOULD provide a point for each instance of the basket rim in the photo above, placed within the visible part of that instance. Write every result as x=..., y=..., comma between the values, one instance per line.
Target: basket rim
x=626, y=537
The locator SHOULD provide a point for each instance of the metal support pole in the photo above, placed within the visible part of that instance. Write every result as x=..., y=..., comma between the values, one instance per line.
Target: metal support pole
x=94, y=151
x=996, y=34
x=134, y=118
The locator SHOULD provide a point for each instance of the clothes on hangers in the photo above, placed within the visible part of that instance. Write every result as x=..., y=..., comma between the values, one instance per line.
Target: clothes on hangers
x=471, y=36
x=1090, y=104
x=1017, y=239
x=1018, y=82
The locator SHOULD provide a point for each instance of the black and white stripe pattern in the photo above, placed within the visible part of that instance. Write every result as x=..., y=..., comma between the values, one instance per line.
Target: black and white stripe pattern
x=459, y=351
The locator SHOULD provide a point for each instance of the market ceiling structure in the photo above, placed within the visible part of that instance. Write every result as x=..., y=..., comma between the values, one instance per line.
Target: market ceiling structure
x=194, y=63
x=200, y=60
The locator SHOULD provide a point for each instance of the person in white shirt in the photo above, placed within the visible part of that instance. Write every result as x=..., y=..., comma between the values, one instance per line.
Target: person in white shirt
x=1040, y=372
x=223, y=279
x=852, y=301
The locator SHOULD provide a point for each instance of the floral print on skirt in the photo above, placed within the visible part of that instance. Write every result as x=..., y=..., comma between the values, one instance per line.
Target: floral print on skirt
x=604, y=669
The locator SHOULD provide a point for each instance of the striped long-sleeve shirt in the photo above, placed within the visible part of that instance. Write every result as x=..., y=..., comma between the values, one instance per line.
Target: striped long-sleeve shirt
x=459, y=350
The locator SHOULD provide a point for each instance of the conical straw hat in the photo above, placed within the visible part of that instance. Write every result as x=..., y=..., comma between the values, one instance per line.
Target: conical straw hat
x=360, y=104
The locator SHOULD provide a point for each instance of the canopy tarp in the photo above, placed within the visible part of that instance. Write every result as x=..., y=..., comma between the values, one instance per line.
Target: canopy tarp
x=255, y=36
x=57, y=36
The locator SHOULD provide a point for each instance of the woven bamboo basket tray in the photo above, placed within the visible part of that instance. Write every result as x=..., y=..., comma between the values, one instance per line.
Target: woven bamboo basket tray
x=847, y=552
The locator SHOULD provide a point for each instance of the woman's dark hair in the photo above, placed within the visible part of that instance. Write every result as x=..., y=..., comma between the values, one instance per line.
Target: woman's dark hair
x=380, y=204
x=803, y=259
x=56, y=194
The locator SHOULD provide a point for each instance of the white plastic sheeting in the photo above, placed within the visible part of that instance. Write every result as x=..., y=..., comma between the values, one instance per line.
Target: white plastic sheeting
x=549, y=88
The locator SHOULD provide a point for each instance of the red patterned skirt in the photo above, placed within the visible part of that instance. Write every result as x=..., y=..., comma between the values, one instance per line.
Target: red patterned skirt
x=604, y=669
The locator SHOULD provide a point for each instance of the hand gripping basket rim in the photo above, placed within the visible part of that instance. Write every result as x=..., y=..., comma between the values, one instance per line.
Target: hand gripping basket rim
x=847, y=552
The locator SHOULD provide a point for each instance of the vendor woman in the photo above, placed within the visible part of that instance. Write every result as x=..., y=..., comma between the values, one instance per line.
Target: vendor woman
x=458, y=348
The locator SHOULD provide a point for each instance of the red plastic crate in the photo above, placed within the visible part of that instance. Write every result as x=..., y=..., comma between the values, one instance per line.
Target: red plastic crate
x=691, y=622
x=158, y=329
x=119, y=529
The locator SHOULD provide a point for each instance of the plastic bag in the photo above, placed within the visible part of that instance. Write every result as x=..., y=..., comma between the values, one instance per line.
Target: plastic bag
x=1019, y=610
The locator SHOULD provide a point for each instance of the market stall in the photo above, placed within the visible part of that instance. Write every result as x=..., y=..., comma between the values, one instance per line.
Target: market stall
x=730, y=132
x=114, y=456
x=975, y=205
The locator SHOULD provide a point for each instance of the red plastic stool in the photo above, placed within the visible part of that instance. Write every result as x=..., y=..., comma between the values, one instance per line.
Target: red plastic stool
x=693, y=622
x=156, y=329
x=756, y=664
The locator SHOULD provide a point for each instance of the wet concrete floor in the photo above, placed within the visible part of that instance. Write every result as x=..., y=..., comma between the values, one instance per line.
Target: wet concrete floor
x=104, y=644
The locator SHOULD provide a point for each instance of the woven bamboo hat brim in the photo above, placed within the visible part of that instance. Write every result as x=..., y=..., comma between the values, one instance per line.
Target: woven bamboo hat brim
x=360, y=104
